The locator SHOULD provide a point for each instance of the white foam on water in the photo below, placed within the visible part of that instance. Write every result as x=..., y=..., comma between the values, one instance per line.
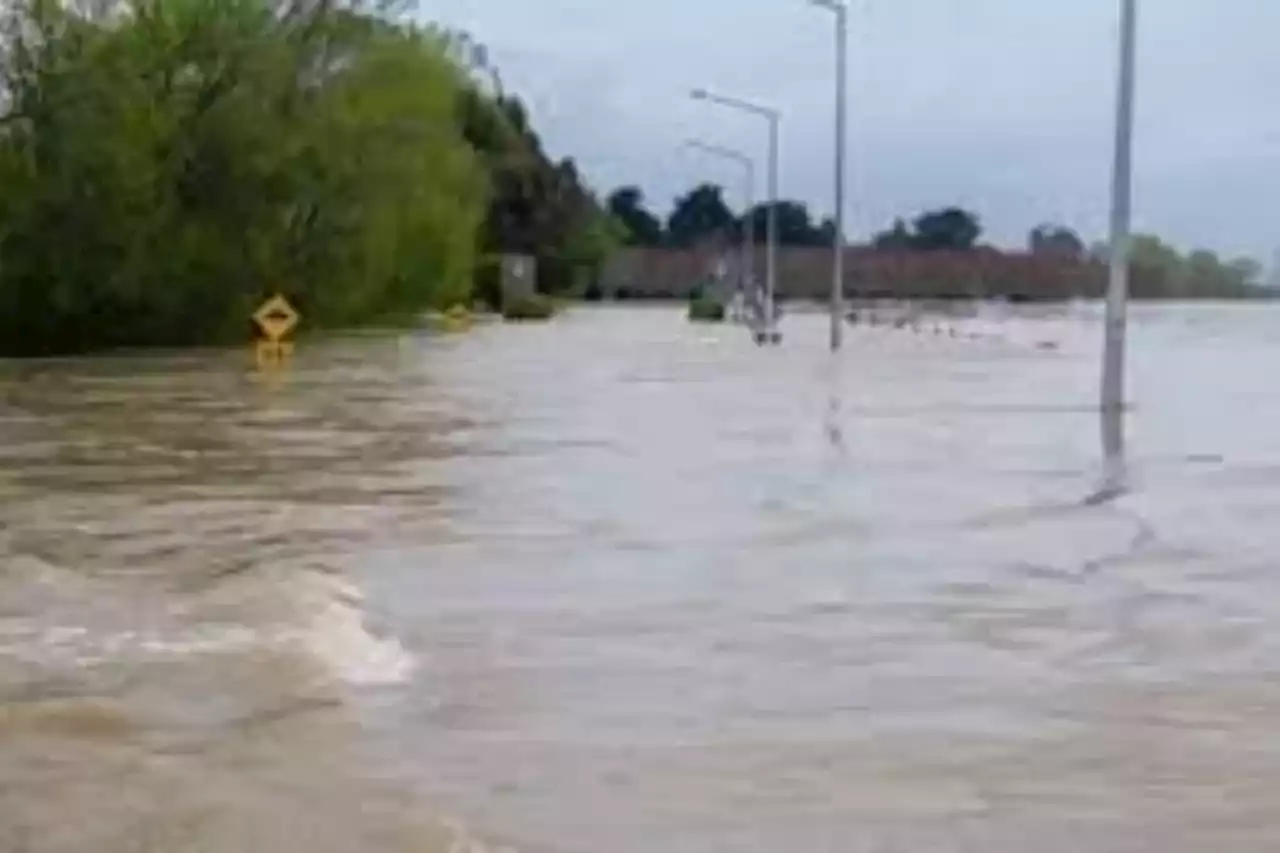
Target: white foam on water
x=326, y=622
x=462, y=841
x=80, y=646
x=337, y=635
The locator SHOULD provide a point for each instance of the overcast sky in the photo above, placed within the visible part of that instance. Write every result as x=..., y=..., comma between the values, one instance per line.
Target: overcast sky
x=1003, y=106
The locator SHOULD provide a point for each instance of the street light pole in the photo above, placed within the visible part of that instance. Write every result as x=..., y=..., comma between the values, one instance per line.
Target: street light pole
x=771, y=234
x=841, y=11
x=1113, y=355
x=748, y=165
x=774, y=118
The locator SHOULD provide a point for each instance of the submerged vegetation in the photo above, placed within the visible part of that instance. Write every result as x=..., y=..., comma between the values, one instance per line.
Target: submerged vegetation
x=705, y=309
x=532, y=306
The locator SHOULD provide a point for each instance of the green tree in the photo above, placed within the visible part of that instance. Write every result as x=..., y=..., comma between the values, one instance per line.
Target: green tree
x=626, y=205
x=951, y=229
x=1207, y=275
x=1160, y=270
x=897, y=238
x=168, y=163
x=1201, y=272
x=795, y=224
x=1056, y=240
x=538, y=206
x=1156, y=268
x=698, y=215
x=825, y=233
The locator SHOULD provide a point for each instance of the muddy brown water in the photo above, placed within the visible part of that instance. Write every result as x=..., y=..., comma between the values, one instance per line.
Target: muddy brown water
x=620, y=583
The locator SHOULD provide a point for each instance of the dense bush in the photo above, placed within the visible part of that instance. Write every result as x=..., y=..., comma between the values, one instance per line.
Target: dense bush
x=168, y=163
x=534, y=306
x=704, y=309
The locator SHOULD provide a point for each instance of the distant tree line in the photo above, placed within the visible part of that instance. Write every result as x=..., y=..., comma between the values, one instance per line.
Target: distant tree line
x=701, y=214
x=1158, y=270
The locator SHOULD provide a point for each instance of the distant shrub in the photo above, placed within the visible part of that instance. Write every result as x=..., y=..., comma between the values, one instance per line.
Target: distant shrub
x=705, y=310
x=534, y=306
x=457, y=319
x=593, y=292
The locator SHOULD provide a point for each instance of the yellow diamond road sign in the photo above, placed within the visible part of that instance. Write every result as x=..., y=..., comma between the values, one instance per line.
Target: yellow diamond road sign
x=276, y=318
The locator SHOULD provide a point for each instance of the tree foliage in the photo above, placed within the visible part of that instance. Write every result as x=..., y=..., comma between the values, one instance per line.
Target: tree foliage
x=698, y=215
x=168, y=163
x=640, y=227
x=1158, y=269
x=795, y=224
x=896, y=239
x=701, y=213
x=950, y=229
x=1057, y=241
x=538, y=206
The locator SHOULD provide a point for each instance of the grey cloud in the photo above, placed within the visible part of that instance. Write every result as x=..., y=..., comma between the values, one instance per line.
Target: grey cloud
x=1005, y=105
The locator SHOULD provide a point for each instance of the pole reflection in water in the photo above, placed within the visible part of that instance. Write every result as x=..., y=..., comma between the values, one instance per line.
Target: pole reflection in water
x=834, y=422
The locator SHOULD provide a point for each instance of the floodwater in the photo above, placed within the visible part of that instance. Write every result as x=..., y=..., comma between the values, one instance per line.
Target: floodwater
x=621, y=584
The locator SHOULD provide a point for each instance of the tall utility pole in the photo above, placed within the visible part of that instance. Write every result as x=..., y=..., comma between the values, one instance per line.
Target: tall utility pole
x=1113, y=354
x=841, y=12
x=771, y=234
x=774, y=118
x=748, y=165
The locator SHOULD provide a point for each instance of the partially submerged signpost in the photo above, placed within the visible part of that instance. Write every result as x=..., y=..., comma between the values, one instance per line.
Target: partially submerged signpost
x=275, y=320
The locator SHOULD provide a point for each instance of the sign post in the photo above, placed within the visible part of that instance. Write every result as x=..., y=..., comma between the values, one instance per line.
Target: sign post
x=275, y=319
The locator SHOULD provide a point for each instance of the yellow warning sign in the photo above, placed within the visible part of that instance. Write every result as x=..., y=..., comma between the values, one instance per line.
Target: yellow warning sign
x=276, y=318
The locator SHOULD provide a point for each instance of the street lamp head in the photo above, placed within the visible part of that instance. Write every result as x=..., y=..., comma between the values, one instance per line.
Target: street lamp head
x=698, y=94
x=833, y=5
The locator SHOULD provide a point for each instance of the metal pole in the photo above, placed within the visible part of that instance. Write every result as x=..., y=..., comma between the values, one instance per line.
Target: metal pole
x=769, y=333
x=749, y=232
x=1113, y=355
x=771, y=229
x=837, y=265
